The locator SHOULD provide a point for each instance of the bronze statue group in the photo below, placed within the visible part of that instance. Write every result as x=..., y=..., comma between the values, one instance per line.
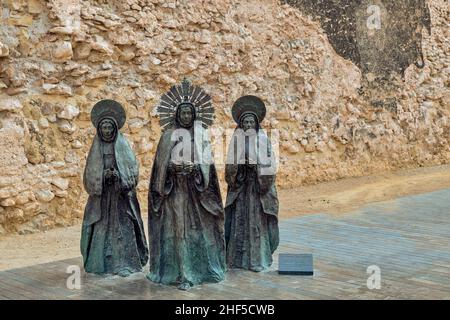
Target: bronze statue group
x=193, y=237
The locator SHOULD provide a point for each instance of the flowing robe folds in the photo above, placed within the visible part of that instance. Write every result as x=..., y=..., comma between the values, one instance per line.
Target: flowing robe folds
x=113, y=238
x=186, y=217
x=251, y=209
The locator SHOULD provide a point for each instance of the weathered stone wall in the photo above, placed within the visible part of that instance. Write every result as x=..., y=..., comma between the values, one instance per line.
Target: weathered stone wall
x=57, y=58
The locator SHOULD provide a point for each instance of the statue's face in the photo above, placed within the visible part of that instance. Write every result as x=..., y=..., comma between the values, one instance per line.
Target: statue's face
x=248, y=123
x=107, y=129
x=186, y=116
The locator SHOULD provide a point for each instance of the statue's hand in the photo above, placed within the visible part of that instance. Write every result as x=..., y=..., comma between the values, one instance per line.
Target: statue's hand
x=107, y=174
x=178, y=167
x=175, y=167
x=189, y=167
x=115, y=175
x=111, y=175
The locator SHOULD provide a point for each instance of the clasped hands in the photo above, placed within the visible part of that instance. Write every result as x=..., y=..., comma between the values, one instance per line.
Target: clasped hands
x=111, y=175
x=183, y=167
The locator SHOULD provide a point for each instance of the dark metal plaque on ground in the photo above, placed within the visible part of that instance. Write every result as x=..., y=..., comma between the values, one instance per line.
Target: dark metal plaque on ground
x=295, y=264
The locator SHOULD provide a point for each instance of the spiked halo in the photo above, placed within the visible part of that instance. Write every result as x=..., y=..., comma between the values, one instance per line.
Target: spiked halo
x=185, y=93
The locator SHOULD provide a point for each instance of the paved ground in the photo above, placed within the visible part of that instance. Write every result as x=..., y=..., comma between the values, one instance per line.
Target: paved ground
x=407, y=238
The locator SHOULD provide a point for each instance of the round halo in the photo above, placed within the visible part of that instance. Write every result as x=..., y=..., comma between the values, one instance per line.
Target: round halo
x=248, y=104
x=108, y=108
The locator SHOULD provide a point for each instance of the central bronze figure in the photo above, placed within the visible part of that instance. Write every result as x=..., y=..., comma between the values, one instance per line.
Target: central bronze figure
x=185, y=214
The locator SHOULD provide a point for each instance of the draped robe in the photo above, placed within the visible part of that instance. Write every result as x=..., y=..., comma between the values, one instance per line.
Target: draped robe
x=186, y=219
x=113, y=238
x=251, y=209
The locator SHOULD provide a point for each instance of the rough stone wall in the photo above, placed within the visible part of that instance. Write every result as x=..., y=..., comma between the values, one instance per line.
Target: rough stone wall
x=59, y=57
x=390, y=47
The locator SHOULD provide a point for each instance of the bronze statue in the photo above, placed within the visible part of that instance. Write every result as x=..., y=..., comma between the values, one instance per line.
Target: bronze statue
x=112, y=239
x=251, y=209
x=185, y=214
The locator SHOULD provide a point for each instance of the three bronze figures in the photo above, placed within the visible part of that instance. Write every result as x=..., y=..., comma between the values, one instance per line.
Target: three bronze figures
x=193, y=238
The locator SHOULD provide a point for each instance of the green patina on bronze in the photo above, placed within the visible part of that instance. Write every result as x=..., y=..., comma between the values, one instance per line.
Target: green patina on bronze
x=113, y=239
x=185, y=214
x=251, y=209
